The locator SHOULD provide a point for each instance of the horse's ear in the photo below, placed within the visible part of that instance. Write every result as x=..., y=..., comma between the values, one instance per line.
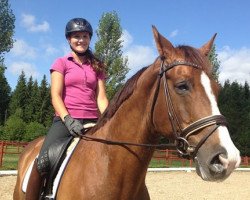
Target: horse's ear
x=206, y=48
x=163, y=45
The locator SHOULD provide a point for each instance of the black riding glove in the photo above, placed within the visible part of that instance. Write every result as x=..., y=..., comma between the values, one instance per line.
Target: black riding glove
x=74, y=126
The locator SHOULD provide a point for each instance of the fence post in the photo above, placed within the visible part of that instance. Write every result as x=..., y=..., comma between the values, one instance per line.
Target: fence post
x=1, y=153
x=18, y=146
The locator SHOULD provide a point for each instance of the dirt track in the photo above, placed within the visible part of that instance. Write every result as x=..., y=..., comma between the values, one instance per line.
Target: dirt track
x=176, y=186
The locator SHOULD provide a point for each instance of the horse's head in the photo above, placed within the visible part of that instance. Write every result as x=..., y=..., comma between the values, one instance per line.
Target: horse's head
x=186, y=97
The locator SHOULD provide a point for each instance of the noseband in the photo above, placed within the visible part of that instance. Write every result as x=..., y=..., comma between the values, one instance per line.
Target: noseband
x=182, y=134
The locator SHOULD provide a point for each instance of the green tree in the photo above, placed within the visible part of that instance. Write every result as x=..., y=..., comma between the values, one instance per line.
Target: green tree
x=45, y=107
x=2, y=136
x=19, y=96
x=34, y=130
x=108, y=49
x=234, y=104
x=7, y=26
x=14, y=128
x=213, y=57
x=35, y=101
x=29, y=109
x=4, y=94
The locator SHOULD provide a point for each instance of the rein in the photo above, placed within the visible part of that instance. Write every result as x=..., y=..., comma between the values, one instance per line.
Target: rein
x=181, y=135
x=112, y=142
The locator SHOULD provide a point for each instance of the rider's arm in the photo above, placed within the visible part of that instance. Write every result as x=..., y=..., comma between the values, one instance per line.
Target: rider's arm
x=102, y=100
x=57, y=83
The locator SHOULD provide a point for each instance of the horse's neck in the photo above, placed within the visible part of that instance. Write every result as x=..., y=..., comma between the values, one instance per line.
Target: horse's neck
x=132, y=122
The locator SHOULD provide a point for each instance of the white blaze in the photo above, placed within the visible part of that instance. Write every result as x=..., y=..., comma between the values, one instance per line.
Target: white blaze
x=225, y=140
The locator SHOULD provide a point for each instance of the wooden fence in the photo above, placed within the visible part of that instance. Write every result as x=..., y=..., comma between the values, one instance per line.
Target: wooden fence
x=169, y=157
x=10, y=147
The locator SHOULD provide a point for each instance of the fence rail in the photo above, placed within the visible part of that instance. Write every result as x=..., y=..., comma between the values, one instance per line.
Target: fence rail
x=168, y=157
x=10, y=147
x=171, y=156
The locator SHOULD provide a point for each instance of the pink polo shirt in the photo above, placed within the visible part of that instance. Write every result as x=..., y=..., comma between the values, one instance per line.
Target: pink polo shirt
x=80, y=82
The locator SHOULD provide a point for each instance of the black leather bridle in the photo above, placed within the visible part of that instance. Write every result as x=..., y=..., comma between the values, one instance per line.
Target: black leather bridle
x=181, y=134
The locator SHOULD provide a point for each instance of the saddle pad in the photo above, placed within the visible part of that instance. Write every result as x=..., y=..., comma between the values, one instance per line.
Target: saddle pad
x=27, y=176
x=60, y=172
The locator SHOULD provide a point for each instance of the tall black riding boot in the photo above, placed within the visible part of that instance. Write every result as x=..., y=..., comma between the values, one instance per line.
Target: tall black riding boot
x=34, y=184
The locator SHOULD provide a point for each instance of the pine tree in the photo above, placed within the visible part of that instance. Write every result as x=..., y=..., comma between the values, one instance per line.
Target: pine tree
x=234, y=104
x=35, y=100
x=29, y=109
x=19, y=96
x=245, y=112
x=45, y=103
x=108, y=49
x=4, y=94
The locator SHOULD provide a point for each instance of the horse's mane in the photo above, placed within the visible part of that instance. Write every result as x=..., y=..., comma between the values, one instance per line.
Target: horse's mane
x=123, y=94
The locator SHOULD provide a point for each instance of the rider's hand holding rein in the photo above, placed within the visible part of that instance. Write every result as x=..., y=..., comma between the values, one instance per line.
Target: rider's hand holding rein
x=74, y=126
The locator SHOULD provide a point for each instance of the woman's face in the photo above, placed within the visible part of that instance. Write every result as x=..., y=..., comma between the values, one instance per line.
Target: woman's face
x=79, y=41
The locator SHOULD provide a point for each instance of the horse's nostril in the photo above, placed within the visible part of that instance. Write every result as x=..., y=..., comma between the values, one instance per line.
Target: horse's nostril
x=224, y=160
x=218, y=164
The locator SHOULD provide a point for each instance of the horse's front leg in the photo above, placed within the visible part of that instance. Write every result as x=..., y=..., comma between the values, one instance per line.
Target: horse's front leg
x=143, y=194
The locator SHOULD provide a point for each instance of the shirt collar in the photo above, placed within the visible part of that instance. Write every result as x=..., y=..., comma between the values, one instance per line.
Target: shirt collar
x=71, y=58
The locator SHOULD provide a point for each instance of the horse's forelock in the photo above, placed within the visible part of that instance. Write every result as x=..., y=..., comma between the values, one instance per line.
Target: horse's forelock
x=194, y=56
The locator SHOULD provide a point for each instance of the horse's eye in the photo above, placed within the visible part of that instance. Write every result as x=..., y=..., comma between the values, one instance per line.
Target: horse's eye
x=182, y=87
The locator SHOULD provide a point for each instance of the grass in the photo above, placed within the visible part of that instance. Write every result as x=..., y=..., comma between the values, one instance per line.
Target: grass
x=157, y=163
x=10, y=159
x=10, y=162
x=163, y=164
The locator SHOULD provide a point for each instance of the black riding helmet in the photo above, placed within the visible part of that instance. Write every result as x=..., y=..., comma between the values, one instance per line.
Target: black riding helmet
x=78, y=24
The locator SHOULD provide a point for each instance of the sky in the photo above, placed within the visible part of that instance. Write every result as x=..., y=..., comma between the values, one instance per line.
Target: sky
x=40, y=27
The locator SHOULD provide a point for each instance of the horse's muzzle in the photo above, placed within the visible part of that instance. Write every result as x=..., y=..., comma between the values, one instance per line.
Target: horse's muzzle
x=215, y=168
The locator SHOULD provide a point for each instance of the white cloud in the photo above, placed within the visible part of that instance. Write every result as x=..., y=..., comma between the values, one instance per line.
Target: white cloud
x=174, y=33
x=50, y=50
x=138, y=55
x=29, y=69
x=235, y=65
x=21, y=48
x=29, y=22
x=126, y=38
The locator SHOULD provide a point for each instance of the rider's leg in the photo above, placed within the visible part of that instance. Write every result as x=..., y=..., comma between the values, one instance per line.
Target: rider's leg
x=57, y=130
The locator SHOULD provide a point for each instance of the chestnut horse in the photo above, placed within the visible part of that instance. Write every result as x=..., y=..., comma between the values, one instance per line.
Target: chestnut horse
x=174, y=97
